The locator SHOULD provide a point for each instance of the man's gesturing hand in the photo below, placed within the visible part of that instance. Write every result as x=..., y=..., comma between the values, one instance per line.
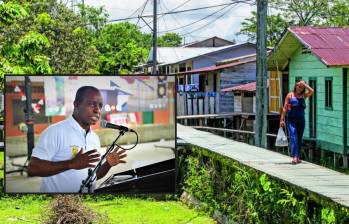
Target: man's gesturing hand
x=84, y=160
x=115, y=157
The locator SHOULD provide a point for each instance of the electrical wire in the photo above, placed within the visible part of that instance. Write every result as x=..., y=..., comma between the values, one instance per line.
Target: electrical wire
x=177, y=28
x=212, y=21
x=143, y=6
x=174, y=18
x=146, y=2
x=177, y=7
x=175, y=12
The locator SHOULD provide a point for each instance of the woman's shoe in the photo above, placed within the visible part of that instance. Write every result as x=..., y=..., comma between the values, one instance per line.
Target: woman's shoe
x=294, y=161
x=298, y=160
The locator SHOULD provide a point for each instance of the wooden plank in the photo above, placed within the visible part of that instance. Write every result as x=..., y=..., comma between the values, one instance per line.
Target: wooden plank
x=180, y=104
x=206, y=104
x=201, y=106
x=212, y=105
x=195, y=106
x=311, y=177
x=189, y=101
x=229, y=130
x=237, y=104
x=222, y=115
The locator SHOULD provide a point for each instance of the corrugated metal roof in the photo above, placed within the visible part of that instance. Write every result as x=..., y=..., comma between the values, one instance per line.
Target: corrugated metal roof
x=330, y=45
x=172, y=55
x=249, y=87
x=215, y=68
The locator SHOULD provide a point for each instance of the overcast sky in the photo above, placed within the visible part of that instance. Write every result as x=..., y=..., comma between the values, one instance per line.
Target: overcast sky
x=226, y=26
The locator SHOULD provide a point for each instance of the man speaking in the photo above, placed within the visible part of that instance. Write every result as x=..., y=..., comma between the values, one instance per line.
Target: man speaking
x=67, y=149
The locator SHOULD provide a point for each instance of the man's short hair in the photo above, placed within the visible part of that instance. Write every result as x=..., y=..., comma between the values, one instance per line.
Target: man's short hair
x=80, y=94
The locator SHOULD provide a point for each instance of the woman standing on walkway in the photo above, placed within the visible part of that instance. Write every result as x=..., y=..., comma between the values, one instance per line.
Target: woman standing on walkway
x=294, y=106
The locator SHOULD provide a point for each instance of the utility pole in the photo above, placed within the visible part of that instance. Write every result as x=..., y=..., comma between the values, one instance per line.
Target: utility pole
x=261, y=76
x=153, y=72
x=28, y=111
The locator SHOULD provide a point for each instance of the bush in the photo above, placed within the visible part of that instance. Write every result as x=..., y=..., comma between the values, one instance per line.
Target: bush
x=244, y=195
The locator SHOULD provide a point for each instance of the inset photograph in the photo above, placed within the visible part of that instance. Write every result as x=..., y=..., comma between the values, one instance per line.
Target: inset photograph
x=90, y=134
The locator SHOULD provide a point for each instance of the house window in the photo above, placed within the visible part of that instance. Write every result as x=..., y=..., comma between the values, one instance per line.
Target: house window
x=328, y=93
x=182, y=67
x=181, y=81
x=305, y=50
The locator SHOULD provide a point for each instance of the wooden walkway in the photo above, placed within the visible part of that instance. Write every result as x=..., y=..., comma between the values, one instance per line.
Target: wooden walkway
x=222, y=115
x=316, y=179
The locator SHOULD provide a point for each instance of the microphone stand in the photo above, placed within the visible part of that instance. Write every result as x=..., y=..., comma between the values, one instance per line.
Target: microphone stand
x=87, y=184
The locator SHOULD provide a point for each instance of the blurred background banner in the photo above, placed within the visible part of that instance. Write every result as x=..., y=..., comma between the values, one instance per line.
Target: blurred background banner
x=120, y=93
x=127, y=100
x=54, y=95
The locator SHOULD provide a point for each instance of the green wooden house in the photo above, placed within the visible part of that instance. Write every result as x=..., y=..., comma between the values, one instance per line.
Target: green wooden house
x=319, y=56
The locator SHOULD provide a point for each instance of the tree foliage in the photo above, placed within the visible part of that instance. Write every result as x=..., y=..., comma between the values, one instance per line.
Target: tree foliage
x=304, y=13
x=63, y=44
x=338, y=15
x=45, y=36
x=169, y=40
x=122, y=46
x=23, y=54
x=276, y=25
x=299, y=13
x=94, y=17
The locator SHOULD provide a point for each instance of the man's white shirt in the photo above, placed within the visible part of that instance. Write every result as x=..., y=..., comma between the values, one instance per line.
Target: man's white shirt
x=61, y=142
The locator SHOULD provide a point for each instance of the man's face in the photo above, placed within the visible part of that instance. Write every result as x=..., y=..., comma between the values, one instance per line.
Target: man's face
x=89, y=109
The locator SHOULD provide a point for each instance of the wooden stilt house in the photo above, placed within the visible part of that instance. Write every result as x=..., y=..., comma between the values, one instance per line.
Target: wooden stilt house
x=320, y=57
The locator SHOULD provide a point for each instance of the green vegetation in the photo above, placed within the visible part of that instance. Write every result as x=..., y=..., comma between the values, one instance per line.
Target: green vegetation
x=1, y=170
x=244, y=195
x=30, y=209
x=123, y=210
x=45, y=36
x=332, y=13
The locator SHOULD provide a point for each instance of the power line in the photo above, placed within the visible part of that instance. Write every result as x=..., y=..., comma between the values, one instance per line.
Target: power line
x=177, y=28
x=177, y=7
x=209, y=22
x=175, y=12
x=163, y=18
x=174, y=17
x=145, y=4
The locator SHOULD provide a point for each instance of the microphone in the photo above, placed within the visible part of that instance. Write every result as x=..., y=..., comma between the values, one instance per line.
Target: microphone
x=105, y=124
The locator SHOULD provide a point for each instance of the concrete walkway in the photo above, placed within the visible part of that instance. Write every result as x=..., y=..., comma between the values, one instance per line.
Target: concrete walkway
x=317, y=179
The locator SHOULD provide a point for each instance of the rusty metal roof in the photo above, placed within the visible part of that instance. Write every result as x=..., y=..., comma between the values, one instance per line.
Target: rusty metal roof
x=249, y=87
x=218, y=67
x=330, y=45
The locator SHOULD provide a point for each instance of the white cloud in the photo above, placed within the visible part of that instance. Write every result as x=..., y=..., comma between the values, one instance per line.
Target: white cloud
x=226, y=26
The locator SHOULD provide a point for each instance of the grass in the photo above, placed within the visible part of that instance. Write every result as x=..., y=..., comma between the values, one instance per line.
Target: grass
x=129, y=211
x=24, y=210
x=28, y=209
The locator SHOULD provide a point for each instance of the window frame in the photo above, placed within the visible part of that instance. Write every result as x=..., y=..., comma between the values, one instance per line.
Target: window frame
x=329, y=105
